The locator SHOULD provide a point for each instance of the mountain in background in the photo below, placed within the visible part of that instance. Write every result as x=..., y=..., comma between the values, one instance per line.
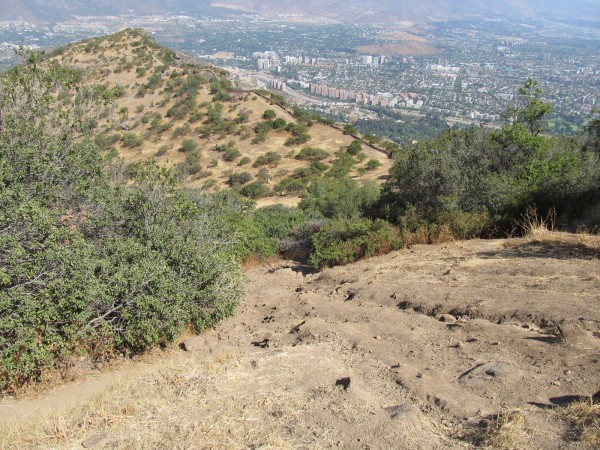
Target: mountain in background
x=352, y=11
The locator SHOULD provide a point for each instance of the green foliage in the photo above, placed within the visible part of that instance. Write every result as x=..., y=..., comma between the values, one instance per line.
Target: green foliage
x=343, y=241
x=270, y=158
x=279, y=124
x=372, y=164
x=93, y=266
x=354, y=148
x=188, y=145
x=312, y=154
x=256, y=189
x=349, y=129
x=269, y=114
x=531, y=110
x=131, y=140
x=239, y=179
x=340, y=198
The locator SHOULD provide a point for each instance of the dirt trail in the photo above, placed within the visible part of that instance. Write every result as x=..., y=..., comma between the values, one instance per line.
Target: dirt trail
x=407, y=350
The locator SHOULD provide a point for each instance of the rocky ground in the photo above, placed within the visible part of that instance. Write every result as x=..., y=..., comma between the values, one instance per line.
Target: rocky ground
x=459, y=345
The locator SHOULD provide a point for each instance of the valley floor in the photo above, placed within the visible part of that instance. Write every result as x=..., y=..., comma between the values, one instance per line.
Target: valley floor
x=421, y=348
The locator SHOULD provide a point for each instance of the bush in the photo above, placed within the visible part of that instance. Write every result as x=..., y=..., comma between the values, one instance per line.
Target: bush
x=231, y=154
x=239, y=179
x=312, y=154
x=269, y=114
x=340, y=198
x=92, y=266
x=131, y=140
x=245, y=160
x=270, y=158
x=343, y=241
x=188, y=145
x=162, y=150
x=354, y=148
x=256, y=189
x=372, y=164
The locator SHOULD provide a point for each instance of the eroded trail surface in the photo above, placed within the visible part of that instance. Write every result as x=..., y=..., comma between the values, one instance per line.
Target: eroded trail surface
x=409, y=350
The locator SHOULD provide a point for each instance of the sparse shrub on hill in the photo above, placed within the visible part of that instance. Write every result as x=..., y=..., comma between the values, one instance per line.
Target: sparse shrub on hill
x=255, y=190
x=239, y=179
x=131, y=140
x=354, y=148
x=270, y=158
x=188, y=145
x=312, y=154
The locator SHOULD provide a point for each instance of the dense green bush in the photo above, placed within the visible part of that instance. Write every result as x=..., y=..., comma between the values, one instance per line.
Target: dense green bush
x=493, y=174
x=90, y=265
x=340, y=198
x=255, y=190
x=343, y=241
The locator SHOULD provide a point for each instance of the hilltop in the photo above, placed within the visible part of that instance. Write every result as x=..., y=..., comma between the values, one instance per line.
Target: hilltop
x=187, y=115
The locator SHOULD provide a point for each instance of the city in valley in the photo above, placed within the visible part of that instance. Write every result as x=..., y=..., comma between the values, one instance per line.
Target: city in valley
x=462, y=72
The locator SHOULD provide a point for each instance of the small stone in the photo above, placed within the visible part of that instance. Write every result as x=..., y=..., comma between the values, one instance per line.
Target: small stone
x=95, y=440
x=446, y=318
x=556, y=383
x=572, y=334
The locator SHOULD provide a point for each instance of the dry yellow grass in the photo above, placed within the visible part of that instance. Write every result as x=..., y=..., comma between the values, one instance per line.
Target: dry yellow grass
x=584, y=420
x=505, y=430
x=186, y=405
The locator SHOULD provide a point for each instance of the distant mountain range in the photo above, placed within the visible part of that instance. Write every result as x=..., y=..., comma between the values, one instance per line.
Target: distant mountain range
x=356, y=11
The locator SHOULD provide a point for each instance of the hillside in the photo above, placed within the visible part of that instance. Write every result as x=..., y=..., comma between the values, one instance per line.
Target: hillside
x=190, y=117
x=475, y=344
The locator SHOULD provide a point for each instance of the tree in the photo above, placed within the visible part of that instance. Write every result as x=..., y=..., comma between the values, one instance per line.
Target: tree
x=531, y=110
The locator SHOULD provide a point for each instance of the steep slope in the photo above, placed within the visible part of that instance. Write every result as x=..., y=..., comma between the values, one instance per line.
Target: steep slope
x=191, y=118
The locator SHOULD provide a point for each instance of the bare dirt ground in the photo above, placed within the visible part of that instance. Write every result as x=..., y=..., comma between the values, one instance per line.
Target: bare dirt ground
x=421, y=348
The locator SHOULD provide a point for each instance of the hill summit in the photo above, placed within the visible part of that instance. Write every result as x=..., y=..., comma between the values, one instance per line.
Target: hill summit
x=189, y=116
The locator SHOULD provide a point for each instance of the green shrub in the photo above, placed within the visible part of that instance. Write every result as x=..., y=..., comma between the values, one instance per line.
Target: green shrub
x=354, y=148
x=372, y=164
x=188, y=145
x=312, y=154
x=269, y=114
x=231, y=154
x=245, y=160
x=239, y=179
x=256, y=189
x=131, y=140
x=340, y=198
x=92, y=266
x=343, y=241
x=162, y=150
x=270, y=158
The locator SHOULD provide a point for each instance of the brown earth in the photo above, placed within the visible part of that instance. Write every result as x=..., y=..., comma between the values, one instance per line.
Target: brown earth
x=415, y=349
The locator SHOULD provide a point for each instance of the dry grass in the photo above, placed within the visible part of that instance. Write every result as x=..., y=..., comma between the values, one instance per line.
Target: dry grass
x=534, y=224
x=226, y=402
x=584, y=420
x=505, y=430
